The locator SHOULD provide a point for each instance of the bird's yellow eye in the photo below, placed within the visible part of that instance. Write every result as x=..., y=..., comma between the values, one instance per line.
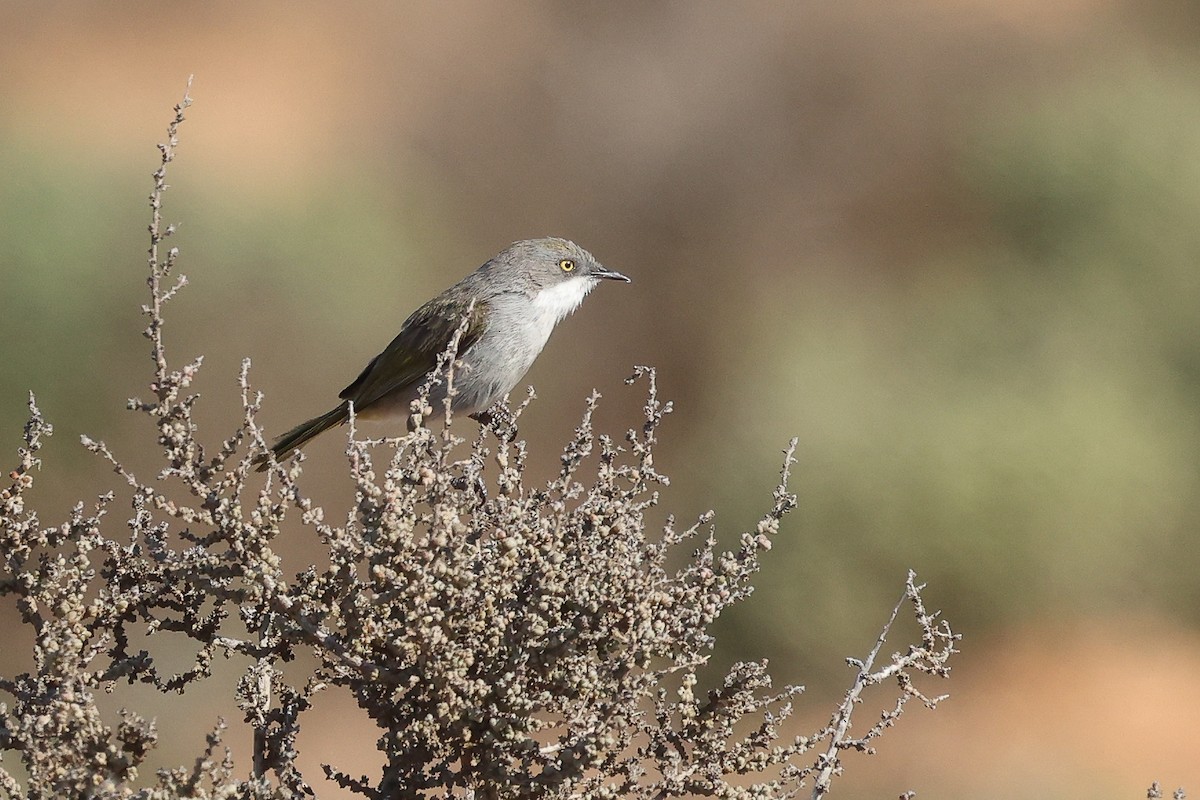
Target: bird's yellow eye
x=566, y=265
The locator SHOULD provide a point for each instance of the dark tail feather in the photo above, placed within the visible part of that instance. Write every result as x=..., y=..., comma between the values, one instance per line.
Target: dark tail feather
x=297, y=436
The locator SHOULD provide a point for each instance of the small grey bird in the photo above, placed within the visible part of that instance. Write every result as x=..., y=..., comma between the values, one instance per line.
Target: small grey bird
x=520, y=295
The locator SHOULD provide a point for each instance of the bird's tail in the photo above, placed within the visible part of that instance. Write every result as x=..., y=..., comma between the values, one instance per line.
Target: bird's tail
x=297, y=436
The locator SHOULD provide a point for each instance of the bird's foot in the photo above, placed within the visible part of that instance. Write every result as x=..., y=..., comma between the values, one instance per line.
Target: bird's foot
x=500, y=421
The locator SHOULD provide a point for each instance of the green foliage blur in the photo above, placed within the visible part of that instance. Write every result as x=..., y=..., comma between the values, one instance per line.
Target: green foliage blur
x=1019, y=419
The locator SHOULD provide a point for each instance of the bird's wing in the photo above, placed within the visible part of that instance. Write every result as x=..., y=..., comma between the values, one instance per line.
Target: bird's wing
x=415, y=350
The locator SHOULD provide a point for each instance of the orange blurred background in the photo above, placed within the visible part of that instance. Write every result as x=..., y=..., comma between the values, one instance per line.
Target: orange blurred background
x=950, y=245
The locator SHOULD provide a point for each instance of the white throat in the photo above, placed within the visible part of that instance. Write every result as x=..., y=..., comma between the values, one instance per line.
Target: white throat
x=552, y=304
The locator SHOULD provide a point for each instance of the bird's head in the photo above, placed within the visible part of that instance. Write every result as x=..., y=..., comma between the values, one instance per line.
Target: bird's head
x=555, y=273
x=552, y=262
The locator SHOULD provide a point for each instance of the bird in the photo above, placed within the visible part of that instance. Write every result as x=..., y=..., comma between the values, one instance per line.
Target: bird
x=513, y=301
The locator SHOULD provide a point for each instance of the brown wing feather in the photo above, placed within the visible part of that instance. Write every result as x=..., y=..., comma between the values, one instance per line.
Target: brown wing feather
x=414, y=351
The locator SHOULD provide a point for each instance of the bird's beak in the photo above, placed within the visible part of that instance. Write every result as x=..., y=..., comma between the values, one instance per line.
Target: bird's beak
x=612, y=275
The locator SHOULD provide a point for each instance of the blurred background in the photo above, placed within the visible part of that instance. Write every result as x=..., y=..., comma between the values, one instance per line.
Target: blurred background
x=952, y=245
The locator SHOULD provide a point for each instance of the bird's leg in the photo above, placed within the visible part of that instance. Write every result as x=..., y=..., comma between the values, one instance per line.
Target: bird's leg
x=499, y=420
